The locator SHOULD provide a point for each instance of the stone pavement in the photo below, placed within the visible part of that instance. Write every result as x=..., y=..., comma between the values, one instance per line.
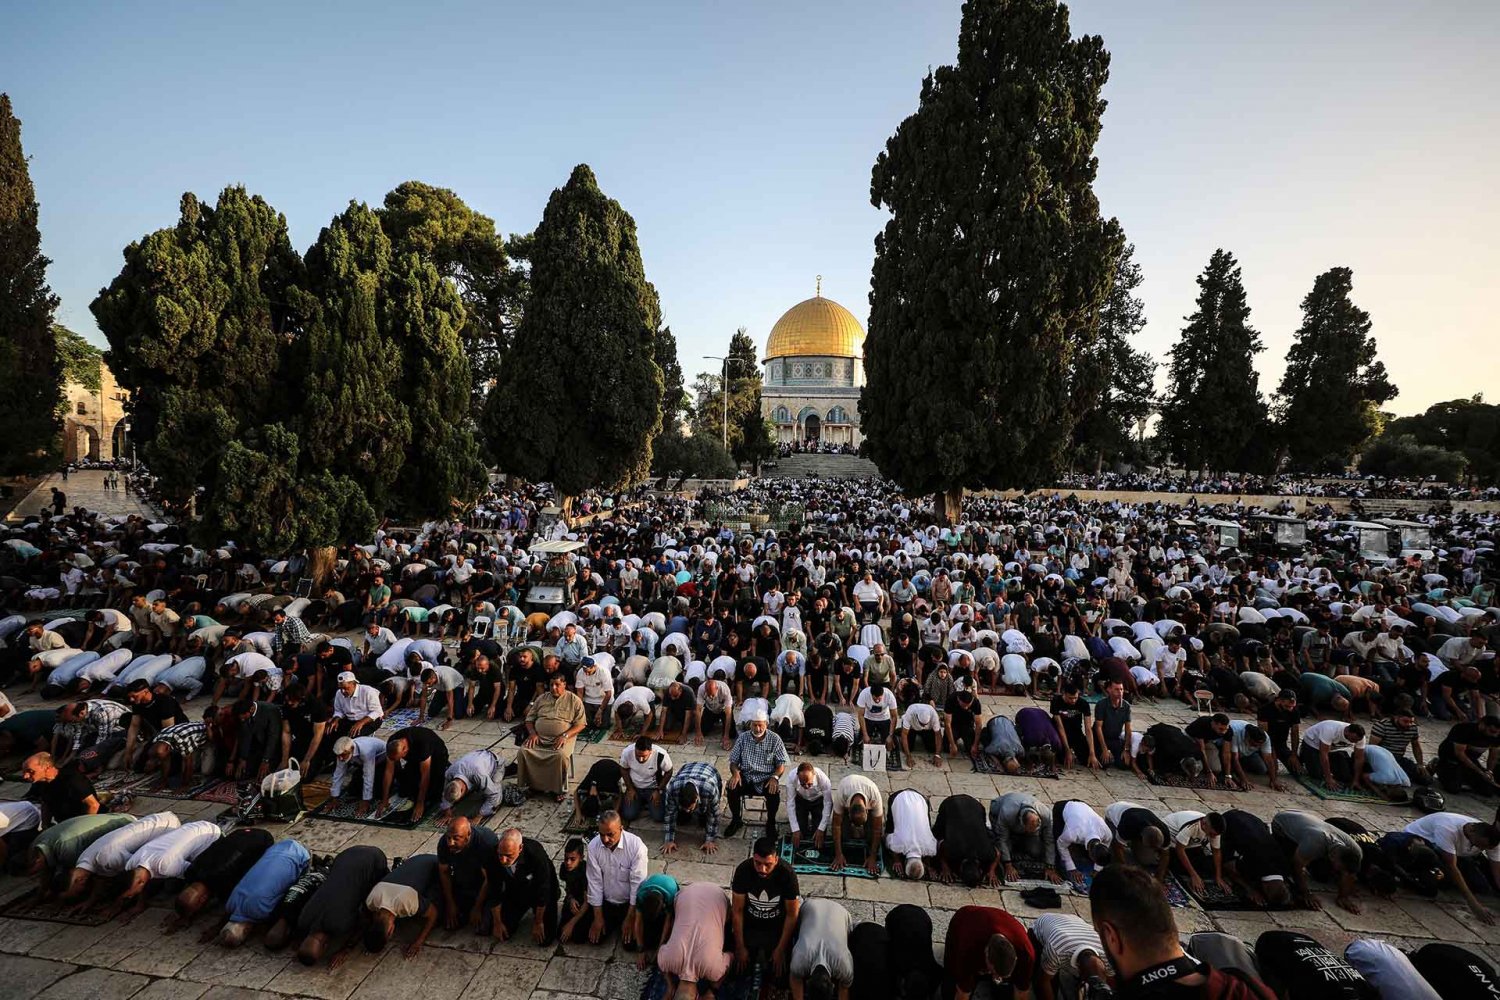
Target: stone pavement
x=56, y=961
x=84, y=487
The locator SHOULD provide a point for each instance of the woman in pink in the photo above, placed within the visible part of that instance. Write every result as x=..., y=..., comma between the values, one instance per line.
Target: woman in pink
x=694, y=953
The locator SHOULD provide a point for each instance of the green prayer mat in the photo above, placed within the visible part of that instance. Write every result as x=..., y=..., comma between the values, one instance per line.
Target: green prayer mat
x=1346, y=793
x=809, y=860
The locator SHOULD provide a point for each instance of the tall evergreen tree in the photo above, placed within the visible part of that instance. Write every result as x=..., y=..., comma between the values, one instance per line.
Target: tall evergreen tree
x=991, y=271
x=197, y=323
x=30, y=372
x=1115, y=378
x=1213, y=407
x=1333, y=385
x=423, y=317
x=673, y=392
x=352, y=422
x=579, y=395
x=462, y=244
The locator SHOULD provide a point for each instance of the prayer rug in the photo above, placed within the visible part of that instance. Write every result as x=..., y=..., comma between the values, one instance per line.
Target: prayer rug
x=398, y=815
x=159, y=787
x=736, y=986
x=808, y=860
x=403, y=717
x=1200, y=782
x=28, y=907
x=592, y=735
x=982, y=765
x=1346, y=793
x=121, y=780
x=226, y=792
x=1214, y=898
x=1032, y=876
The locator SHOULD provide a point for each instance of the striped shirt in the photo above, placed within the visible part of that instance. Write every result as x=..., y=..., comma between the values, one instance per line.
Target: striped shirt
x=1393, y=737
x=758, y=759
x=1063, y=937
x=843, y=726
x=184, y=738
x=101, y=720
x=705, y=778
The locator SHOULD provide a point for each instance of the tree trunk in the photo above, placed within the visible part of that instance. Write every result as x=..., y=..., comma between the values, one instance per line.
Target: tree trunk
x=946, y=506
x=320, y=566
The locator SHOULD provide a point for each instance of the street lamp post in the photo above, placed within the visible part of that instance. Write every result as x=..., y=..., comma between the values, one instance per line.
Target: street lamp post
x=724, y=388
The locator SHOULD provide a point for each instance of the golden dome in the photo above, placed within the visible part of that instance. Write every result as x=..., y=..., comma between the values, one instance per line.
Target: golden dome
x=817, y=327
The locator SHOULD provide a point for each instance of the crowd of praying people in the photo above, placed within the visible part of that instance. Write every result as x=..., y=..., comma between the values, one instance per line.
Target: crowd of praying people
x=802, y=655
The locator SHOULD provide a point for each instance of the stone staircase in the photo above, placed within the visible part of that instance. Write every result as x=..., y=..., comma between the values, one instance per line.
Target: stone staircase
x=810, y=466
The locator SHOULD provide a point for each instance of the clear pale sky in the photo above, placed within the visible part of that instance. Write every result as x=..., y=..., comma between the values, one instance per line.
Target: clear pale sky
x=1298, y=135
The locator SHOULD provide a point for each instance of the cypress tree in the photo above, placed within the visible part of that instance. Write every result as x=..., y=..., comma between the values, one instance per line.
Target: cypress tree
x=1333, y=385
x=1112, y=380
x=198, y=320
x=30, y=372
x=351, y=421
x=579, y=396
x=1213, y=406
x=989, y=275
x=462, y=244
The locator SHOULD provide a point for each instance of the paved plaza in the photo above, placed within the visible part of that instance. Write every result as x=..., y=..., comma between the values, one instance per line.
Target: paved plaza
x=58, y=961
x=83, y=488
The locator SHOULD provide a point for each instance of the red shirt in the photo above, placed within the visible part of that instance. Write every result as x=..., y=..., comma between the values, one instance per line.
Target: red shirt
x=968, y=934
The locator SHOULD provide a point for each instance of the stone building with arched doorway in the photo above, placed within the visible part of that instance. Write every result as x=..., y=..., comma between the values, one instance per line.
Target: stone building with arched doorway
x=814, y=370
x=94, y=424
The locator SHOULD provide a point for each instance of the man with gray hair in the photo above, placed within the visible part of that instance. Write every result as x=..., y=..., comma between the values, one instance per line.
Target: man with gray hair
x=365, y=754
x=479, y=771
x=524, y=881
x=756, y=765
x=617, y=865
x=1021, y=826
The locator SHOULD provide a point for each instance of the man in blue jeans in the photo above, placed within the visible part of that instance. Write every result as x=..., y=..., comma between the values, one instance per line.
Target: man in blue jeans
x=647, y=769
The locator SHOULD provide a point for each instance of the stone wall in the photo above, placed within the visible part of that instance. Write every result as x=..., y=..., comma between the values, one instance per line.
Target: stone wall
x=1373, y=508
x=93, y=422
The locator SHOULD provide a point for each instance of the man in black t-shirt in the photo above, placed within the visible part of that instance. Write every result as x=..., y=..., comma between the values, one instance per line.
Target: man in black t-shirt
x=1253, y=860
x=1302, y=969
x=1209, y=733
x=304, y=720
x=415, y=759
x=1456, y=972
x=678, y=703
x=817, y=727
x=599, y=790
x=764, y=908
x=61, y=792
x=964, y=844
x=1070, y=713
x=1461, y=756
x=1168, y=750
x=150, y=713
x=1283, y=724
x=962, y=717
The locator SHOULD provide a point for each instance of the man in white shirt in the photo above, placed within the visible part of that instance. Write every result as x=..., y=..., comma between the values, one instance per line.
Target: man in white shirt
x=1322, y=739
x=1075, y=824
x=647, y=768
x=367, y=755
x=1199, y=833
x=165, y=857
x=924, y=720
x=1453, y=836
x=480, y=771
x=356, y=707
x=634, y=709
x=876, y=706
x=597, y=689
x=810, y=807
x=617, y=864
x=106, y=857
x=857, y=801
